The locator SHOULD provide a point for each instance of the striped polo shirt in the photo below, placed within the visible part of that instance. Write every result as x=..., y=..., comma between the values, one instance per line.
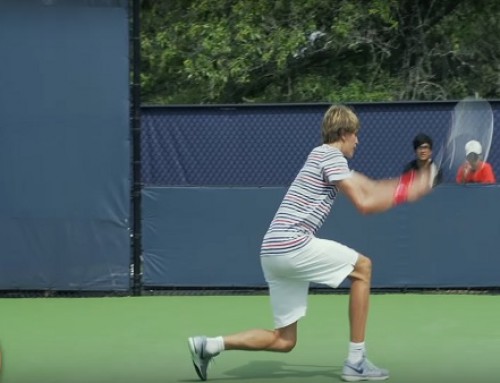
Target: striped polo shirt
x=307, y=202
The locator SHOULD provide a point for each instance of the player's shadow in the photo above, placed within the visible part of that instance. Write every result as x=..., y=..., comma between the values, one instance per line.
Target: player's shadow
x=279, y=370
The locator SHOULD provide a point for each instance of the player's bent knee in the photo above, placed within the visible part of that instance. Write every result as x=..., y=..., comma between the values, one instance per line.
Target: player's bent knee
x=286, y=345
x=363, y=267
x=285, y=339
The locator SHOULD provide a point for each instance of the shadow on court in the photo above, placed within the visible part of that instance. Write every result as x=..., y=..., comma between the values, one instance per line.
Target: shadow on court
x=276, y=370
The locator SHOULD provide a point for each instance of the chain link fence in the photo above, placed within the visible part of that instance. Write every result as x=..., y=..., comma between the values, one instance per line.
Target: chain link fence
x=265, y=145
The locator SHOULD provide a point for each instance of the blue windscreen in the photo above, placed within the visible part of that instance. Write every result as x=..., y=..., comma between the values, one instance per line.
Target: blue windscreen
x=64, y=145
x=265, y=145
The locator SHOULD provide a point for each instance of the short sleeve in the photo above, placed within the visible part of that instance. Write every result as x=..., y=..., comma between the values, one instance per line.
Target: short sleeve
x=487, y=174
x=334, y=167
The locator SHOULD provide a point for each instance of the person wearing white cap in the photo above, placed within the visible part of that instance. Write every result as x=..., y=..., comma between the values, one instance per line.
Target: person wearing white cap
x=473, y=170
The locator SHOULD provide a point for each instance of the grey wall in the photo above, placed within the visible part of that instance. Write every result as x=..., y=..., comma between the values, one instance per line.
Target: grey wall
x=64, y=146
x=266, y=145
x=65, y=171
x=215, y=176
x=210, y=237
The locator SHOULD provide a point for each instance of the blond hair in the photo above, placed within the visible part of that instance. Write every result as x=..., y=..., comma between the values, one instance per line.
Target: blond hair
x=337, y=121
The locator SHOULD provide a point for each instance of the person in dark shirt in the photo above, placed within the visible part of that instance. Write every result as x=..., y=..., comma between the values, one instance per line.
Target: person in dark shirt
x=422, y=145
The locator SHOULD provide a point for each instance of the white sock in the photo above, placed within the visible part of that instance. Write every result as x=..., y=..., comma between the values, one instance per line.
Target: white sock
x=214, y=345
x=356, y=352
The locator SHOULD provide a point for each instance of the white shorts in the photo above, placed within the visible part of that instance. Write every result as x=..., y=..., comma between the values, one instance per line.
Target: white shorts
x=288, y=276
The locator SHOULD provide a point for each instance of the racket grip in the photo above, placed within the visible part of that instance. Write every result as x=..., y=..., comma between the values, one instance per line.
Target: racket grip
x=403, y=187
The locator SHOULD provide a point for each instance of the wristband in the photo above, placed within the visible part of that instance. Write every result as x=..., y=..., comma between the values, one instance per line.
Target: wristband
x=403, y=188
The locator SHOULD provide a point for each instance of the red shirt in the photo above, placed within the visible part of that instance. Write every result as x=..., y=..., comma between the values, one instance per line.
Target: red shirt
x=482, y=175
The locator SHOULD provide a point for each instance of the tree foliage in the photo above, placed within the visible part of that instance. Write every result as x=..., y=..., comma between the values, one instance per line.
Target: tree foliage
x=237, y=51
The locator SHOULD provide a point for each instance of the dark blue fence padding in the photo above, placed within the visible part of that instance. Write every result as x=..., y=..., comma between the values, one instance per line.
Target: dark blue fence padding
x=205, y=237
x=226, y=146
x=210, y=237
x=448, y=239
x=64, y=145
x=265, y=145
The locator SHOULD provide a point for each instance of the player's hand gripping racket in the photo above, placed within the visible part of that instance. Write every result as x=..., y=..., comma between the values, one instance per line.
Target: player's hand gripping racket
x=472, y=120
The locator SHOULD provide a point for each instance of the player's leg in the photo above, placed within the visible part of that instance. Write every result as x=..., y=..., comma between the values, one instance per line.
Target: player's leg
x=204, y=349
x=289, y=301
x=330, y=263
x=357, y=366
x=359, y=298
x=279, y=340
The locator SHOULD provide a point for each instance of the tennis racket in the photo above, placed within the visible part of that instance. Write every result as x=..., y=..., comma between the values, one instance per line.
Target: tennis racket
x=472, y=120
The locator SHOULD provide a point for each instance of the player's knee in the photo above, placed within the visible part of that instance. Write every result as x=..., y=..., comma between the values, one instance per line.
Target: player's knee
x=287, y=345
x=282, y=344
x=364, y=267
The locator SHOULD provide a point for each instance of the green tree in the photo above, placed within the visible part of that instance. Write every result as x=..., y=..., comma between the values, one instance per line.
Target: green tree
x=234, y=51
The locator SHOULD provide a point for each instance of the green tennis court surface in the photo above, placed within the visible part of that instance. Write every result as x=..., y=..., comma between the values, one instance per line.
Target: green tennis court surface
x=420, y=338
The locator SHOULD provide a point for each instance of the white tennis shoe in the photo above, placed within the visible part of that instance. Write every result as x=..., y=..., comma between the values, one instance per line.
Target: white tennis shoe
x=201, y=359
x=364, y=370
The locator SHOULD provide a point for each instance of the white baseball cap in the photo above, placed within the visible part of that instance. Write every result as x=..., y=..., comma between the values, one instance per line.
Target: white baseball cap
x=473, y=146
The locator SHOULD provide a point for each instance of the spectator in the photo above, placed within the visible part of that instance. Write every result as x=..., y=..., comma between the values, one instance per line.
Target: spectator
x=422, y=145
x=473, y=170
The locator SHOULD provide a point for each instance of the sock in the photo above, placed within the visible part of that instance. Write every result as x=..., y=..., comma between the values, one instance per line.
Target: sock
x=356, y=352
x=214, y=345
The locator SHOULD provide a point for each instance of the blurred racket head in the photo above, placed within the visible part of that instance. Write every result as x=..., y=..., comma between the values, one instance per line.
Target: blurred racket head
x=472, y=119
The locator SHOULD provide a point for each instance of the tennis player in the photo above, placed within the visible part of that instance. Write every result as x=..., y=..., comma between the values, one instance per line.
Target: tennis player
x=292, y=256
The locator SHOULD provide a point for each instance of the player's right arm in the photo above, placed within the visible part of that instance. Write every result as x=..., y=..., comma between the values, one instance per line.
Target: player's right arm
x=374, y=196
